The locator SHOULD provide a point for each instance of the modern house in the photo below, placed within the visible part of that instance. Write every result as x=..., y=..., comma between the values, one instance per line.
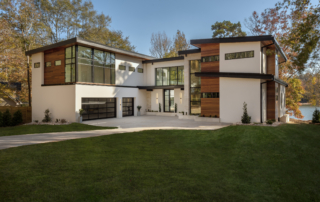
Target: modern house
x=215, y=79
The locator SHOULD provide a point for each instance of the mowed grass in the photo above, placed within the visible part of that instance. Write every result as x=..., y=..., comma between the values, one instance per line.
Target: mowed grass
x=31, y=129
x=236, y=163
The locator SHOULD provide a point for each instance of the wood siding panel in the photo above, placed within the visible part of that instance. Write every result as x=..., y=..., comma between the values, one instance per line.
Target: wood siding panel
x=210, y=85
x=210, y=106
x=210, y=66
x=271, y=100
x=210, y=49
x=54, y=74
x=271, y=63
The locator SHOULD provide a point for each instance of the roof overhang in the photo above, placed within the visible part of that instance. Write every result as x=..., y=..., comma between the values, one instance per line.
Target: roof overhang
x=163, y=60
x=269, y=77
x=88, y=43
x=161, y=87
x=266, y=39
x=190, y=51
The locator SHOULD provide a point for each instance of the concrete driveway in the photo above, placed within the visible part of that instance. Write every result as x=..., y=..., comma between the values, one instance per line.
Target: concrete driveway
x=126, y=125
x=156, y=122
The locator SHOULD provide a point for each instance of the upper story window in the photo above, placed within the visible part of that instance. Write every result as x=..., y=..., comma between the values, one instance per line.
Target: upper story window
x=70, y=64
x=122, y=67
x=209, y=95
x=239, y=55
x=210, y=58
x=131, y=69
x=57, y=63
x=169, y=76
x=48, y=64
x=95, y=66
x=139, y=70
x=36, y=65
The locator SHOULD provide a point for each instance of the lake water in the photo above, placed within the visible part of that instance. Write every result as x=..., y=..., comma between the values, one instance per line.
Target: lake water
x=307, y=112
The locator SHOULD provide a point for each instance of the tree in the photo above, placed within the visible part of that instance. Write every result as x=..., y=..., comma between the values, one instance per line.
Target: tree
x=227, y=29
x=245, y=117
x=160, y=44
x=179, y=43
x=24, y=20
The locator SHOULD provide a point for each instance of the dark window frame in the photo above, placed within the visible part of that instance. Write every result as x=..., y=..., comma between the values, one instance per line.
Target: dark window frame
x=199, y=88
x=125, y=108
x=36, y=65
x=47, y=63
x=211, y=58
x=97, y=107
x=225, y=56
x=71, y=61
x=210, y=95
x=169, y=75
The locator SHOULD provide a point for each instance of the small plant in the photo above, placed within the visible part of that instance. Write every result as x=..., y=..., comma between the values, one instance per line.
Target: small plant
x=151, y=110
x=81, y=111
x=270, y=121
x=245, y=118
x=63, y=121
x=175, y=107
x=47, y=117
x=139, y=107
x=316, y=116
x=0, y=119
x=17, y=118
x=6, y=118
x=159, y=107
x=57, y=120
x=210, y=116
x=36, y=121
x=216, y=116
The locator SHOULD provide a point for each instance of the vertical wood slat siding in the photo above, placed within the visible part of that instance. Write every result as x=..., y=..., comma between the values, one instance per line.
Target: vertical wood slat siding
x=54, y=74
x=271, y=100
x=210, y=106
x=26, y=112
x=271, y=63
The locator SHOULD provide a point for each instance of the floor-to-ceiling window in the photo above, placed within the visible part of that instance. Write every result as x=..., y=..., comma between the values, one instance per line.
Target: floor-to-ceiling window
x=169, y=76
x=70, y=64
x=95, y=66
x=195, y=87
x=168, y=100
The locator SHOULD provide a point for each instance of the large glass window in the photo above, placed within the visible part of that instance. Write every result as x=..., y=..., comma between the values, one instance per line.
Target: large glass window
x=172, y=76
x=95, y=66
x=195, y=87
x=70, y=64
x=210, y=58
x=239, y=55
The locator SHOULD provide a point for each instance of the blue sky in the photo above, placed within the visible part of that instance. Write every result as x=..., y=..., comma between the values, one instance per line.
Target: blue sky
x=138, y=19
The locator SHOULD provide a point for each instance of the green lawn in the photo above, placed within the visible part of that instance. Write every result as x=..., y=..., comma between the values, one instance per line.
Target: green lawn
x=236, y=163
x=31, y=129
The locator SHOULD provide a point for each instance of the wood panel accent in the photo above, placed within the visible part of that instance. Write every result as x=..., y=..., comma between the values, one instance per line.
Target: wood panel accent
x=54, y=74
x=210, y=84
x=210, y=66
x=210, y=106
x=271, y=63
x=210, y=49
x=271, y=100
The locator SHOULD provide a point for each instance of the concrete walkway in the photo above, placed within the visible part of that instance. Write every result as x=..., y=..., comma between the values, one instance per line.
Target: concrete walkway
x=21, y=140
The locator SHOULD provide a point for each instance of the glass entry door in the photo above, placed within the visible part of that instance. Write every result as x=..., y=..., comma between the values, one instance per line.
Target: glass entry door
x=127, y=106
x=168, y=100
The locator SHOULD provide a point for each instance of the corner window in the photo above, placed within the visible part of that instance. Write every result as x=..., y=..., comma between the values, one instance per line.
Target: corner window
x=210, y=58
x=169, y=76
x=131, y=69
x=195, y=87
x=57, y=63
x=122, y=67
x=139, y=70
x=239, y=55
x=36, y=65
x=48, y=64
x=70, y=64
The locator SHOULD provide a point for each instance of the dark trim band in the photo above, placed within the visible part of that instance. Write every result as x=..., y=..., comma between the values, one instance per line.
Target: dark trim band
x=163, y=60
x=161, y=87
x=241, y=75
x=190, y=51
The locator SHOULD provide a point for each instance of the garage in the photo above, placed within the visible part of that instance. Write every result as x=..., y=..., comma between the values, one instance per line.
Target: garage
x=98, y=108
x=127, y=106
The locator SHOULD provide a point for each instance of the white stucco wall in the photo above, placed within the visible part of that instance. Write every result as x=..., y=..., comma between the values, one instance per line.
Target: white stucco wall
x=58, y=99
x=283, y=97
x=127, y=77
x=156, y=98
x=92, y=91
x=233, y=93
x=244, y=65
x=264, y=101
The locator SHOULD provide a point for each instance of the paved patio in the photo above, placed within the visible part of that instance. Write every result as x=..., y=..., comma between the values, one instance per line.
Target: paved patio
x=126, y=125
x=155, y=122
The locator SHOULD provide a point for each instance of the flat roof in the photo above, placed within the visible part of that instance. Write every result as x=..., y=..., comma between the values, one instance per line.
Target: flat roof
x=80, y=41
x=164, y=59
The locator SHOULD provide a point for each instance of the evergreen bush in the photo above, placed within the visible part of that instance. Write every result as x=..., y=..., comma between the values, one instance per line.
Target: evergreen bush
x=245, y=118
x=6, y=119
x=47, y=117
x=316, y=116
x=17, y=118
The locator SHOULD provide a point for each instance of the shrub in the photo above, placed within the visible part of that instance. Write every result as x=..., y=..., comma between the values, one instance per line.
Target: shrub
x=216, y=116
x=316, y=116
x=245, y=118
x=81, y=111
x=17, y=118
x=175, y=107
x=47, y=117
x=139, y=107
x=0, y=119
x=270, y=121
x=63, y=121
x=6, y=118
x=159, y=107
x=36, y=121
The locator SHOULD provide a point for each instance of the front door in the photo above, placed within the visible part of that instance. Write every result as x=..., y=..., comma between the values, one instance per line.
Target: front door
x=127, y=106
x=168, y=100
